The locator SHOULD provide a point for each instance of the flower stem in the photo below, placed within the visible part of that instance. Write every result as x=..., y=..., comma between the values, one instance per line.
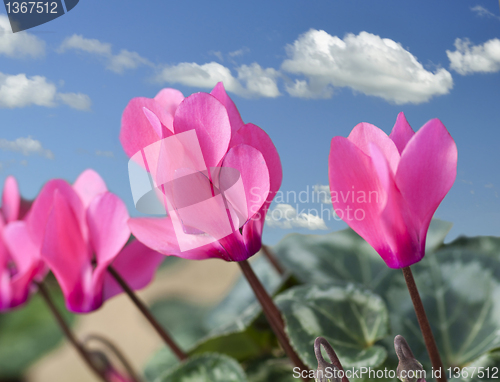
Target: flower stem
x=272, y=259
x=114, y=349
x=430, y=342
x=272, y=314
x=68, y=333
x=147, y=314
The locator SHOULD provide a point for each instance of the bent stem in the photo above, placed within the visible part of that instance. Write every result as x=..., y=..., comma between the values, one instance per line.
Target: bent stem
x=272, y=314
x=320, y=341
x=68, y=333
x=114, y=349
x=147, y=314
x=430, y=342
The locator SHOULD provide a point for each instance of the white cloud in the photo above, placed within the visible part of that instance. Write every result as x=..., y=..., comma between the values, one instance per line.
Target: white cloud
x=365, y=63
x=483, y=12
x=239, y=52
x=258, y=81
x=77, y=101
x=117, y=63
x=286, y=217
x=20, y=44
x=323, y=193
x=252, y=80
x=467, y=59
x=18, y=91
x=26, y=146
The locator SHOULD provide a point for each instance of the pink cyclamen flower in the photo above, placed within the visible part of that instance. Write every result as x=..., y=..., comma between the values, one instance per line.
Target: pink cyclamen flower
x=79, y=231
x=387, y=188
x=19, y=266
x=226, y=157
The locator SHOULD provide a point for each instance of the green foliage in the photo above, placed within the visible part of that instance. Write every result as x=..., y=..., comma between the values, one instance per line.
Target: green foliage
x=27, y=333
x=208, y=367
x=350, y=318
x=349, y=296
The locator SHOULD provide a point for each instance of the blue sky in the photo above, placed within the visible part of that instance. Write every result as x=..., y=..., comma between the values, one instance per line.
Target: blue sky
x=304, y=71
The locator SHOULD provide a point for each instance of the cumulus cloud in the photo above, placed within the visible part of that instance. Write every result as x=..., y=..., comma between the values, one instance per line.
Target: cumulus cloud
x=26, y=146
x=286, y=217
x=483, y=12
x=20, y=44
x=468, y=59
x=18, y=91
x=252, y=80
x=365, y=63
x=77, y=101
x=117, y=63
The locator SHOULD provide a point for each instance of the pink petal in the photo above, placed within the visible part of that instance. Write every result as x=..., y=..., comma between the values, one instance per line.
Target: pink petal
x=254, y=136
x=358, y=196
x=400, y=231
x=136, y=131
x=401, y=132
x=234, y=115
x=137, y=264
x=10, y=199
x=169, y=99
x=37, y=216
x=427, y=170
x=67, y=254
x=107, y=219
x=21, y=286
x=21, y=247
x=253, y=169
x=88, y=185
x=208, y=117
x=252, y=231
x=364, y=133
x=154, y=121
x=159, y=235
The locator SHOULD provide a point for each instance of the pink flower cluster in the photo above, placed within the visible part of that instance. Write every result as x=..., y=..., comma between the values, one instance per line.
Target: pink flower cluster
x=216, y=202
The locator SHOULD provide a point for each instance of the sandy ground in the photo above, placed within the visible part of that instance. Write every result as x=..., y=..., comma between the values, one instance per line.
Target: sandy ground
x=199, y=281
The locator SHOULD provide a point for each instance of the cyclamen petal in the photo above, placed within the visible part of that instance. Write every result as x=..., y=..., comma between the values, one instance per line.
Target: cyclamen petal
x=20, y=262
x=408, y=173
x=11, y=200
x=215, y=176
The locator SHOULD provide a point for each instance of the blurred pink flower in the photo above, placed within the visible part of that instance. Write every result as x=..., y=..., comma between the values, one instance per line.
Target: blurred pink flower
x=387, y=188
x=18, y=265
x=208, y=150
x=79, y=231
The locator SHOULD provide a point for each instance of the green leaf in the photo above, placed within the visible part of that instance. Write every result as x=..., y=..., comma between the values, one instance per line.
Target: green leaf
x=488, y=364
x=350, y=318
x=326, y=259
x=460, y=289
x=233, y=327
x=27, y=333
x=209, y=367
x=275, y=370
x=344, y=256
